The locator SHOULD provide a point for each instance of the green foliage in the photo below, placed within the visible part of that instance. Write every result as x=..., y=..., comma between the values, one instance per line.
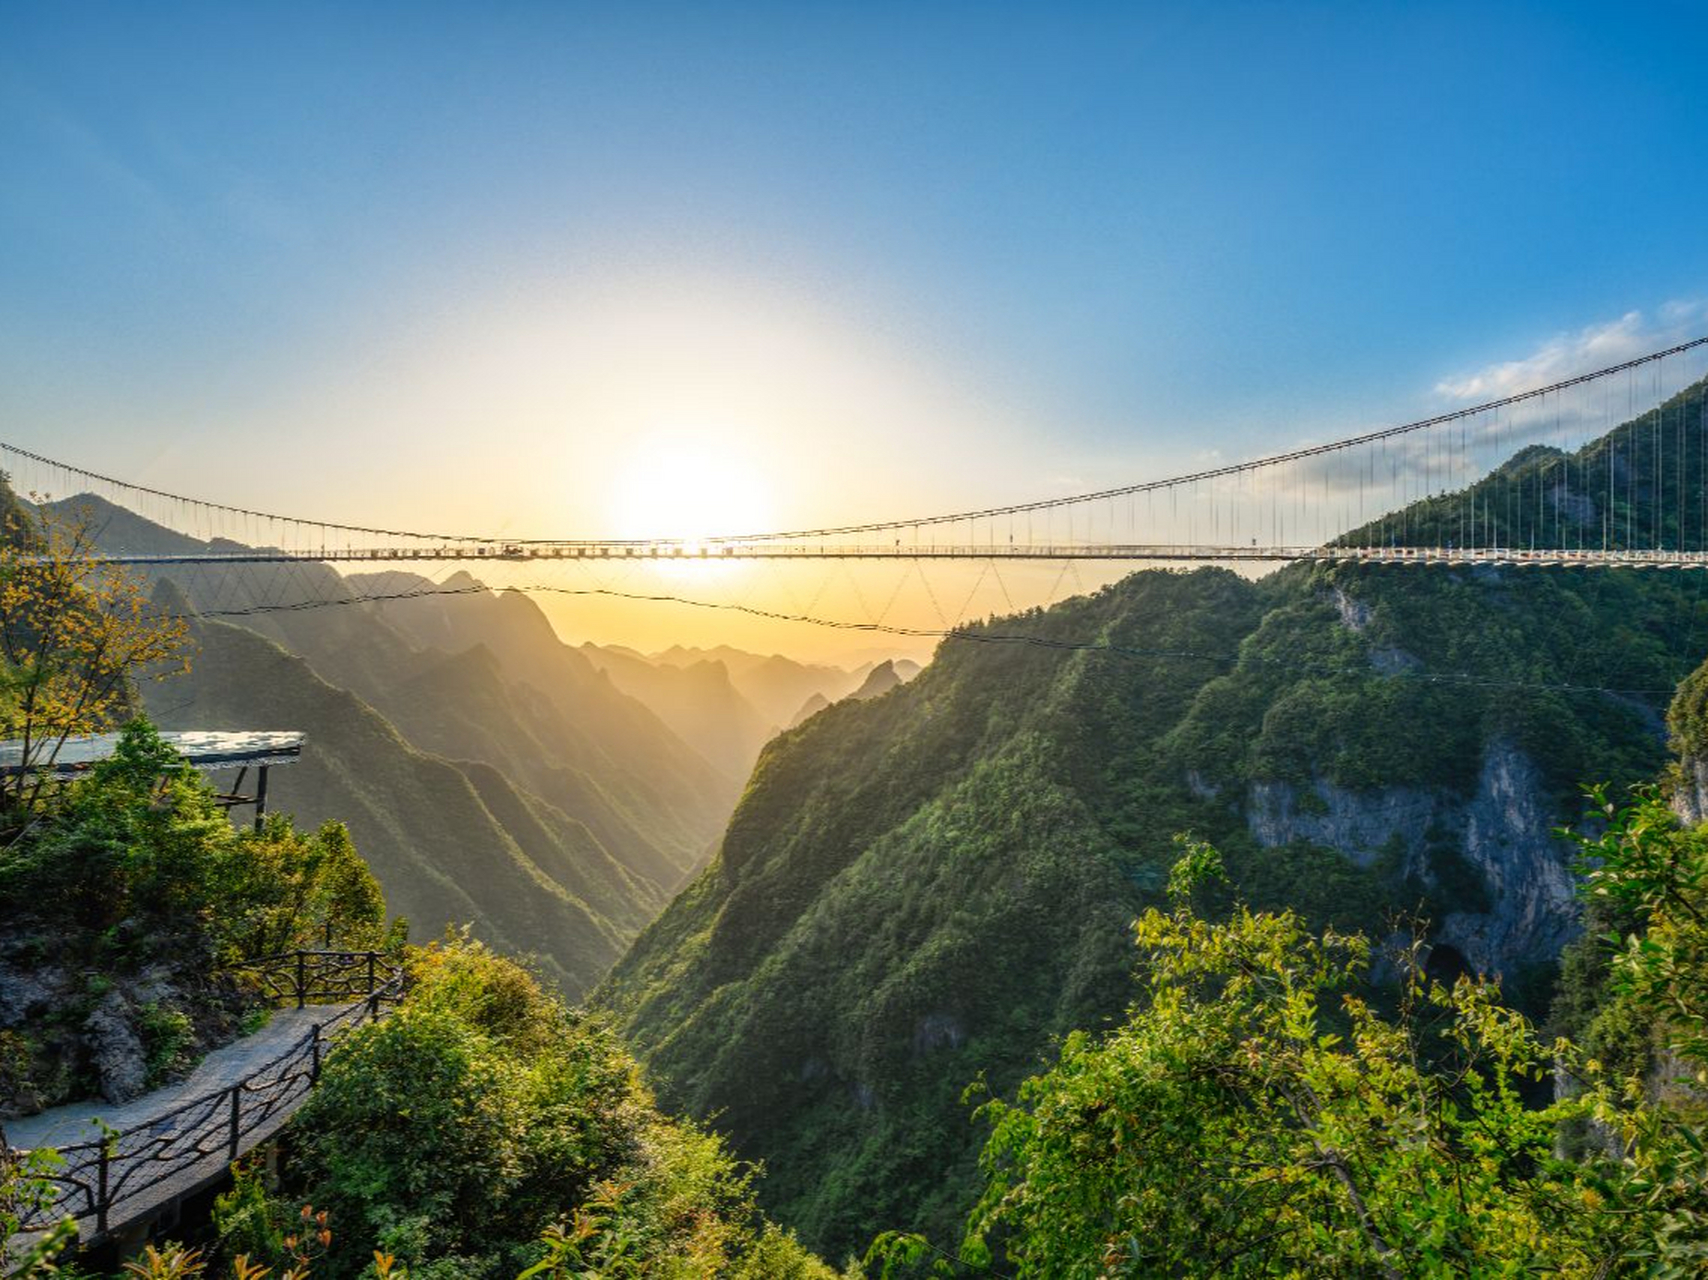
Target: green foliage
x=931, y=886
x=1199, y=864
x=1654, y=871
x=1254, y=1115
x=135, y=890
x=1613, y=493
x=1444, y=663
x=246, y=1221
x=143, y=839
x=1237, y=1125
x=1647, y=874
x=484, y=1113
x=284, y=890
x=75, y=634
x=1687, y=716
x=167, y=1038
x=25, y=1190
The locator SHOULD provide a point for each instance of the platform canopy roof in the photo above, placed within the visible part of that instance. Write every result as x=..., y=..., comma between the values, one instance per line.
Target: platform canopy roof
x=205, y=749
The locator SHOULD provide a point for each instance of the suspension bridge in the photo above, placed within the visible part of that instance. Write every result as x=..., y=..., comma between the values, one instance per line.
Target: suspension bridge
x=1608, y=468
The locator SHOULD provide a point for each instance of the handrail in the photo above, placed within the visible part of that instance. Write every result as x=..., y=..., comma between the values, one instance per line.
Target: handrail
x=103, y=1181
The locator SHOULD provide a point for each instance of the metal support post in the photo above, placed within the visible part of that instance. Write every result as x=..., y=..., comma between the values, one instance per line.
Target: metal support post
x=101, y=1188
x=260, y=795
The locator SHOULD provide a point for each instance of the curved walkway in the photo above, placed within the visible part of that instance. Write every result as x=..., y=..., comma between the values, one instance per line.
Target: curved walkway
x=123, y=1165
x=79, y=1122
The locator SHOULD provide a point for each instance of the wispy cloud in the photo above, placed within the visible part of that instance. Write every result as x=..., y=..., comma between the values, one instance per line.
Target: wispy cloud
x=1333, y=491
x=1568, y=355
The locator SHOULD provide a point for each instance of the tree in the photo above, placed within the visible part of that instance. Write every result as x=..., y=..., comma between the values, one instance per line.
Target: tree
x=487, y=1130
x=1652, y=869
x=1257, y=1115
x=75, y=631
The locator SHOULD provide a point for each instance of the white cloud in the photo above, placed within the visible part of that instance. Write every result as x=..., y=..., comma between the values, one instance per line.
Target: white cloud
x=1631, y=335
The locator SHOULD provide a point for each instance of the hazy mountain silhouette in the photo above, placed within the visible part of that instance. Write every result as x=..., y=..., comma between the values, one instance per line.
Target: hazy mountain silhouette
x=449, y=842
x=697, y=701
x=588, y=772
x=774, y=684
x=810, y=708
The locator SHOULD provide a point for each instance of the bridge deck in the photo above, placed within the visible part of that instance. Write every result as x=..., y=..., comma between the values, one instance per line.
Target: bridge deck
x=1191, y=553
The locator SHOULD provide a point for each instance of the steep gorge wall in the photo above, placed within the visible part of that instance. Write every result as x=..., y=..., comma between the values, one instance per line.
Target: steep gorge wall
x=1520, y=906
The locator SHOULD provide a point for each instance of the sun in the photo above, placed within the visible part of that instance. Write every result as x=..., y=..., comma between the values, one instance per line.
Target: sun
x=688, y=490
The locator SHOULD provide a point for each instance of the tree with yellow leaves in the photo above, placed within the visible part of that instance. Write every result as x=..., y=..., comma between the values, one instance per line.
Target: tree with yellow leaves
x=75, y=632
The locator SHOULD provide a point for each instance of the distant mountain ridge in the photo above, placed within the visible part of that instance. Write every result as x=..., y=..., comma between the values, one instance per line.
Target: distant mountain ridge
x=774, y=684
x=699, y=702
x=449, y=843
x=727, y=702
x=574, y=810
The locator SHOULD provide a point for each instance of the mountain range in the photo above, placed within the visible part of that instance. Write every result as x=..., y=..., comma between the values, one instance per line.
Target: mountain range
x=490, y=773
x=925, y=889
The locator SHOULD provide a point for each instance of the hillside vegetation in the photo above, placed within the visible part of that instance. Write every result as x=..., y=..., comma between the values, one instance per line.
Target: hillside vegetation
x=126, y=901
x=1257, y=1114
x=482, y=1131
x=926, y=888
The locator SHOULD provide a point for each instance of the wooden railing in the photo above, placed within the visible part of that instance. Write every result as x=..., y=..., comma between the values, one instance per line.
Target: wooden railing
x=128, y=1174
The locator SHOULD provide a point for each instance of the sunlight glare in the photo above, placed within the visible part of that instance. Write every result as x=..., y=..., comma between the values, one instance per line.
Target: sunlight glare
x=671, y=488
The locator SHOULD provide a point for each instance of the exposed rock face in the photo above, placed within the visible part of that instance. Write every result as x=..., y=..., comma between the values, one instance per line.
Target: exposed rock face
x=1200, y=786
x=25, y=994
x=1690, y=801
x=65, y=1035
x=1391, y=660
x=115, y=1050
x=1357, y=823
x=937, y=1030
x=1509, y=837
x=1504, y=830
x=1354, y=614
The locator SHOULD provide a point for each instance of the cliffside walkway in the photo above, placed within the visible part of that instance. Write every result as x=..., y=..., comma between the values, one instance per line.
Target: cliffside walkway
x=157, y=1149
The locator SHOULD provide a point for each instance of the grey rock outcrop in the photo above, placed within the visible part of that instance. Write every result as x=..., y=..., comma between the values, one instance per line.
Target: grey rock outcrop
x=1690, y=801
x=115, y=1050
x=1354, y=613
x=1504, y=830
x=1509, y=837
x=1357, y=823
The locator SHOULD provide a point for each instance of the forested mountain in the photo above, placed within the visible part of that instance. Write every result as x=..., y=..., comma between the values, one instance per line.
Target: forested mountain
x=531, y=796
x=532, y=706
x=1637, y=487
x=924, y=888
x=450, y=843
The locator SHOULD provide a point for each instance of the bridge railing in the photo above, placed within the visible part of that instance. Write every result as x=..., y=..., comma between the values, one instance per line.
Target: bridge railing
x=127, y=1173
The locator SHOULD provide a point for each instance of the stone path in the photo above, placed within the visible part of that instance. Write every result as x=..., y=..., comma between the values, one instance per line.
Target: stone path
x=175, y=1140
x=75, y=1121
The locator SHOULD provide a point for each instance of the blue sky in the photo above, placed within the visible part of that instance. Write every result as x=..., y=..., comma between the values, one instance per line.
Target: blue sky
x=985, y=251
